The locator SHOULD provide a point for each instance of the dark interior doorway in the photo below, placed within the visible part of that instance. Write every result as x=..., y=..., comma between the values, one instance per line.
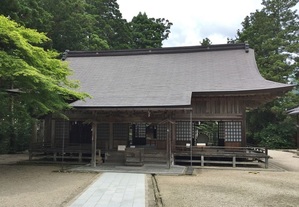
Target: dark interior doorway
x=80, y=132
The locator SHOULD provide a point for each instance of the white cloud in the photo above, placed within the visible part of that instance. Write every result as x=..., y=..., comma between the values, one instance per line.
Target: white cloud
x=194, y=20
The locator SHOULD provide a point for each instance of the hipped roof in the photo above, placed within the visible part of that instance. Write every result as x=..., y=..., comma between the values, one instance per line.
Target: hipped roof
x=166, y=77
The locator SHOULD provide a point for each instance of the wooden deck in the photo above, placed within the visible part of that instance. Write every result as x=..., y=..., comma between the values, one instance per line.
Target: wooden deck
x=80, y=153
x=76, y=152
x=221, y=155
x=182, y=155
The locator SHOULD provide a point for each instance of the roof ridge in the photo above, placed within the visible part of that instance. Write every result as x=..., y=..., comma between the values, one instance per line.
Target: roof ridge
x=164, y=50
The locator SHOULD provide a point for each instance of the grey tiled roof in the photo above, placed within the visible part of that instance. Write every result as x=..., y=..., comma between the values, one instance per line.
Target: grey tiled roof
x=166, y=78
x=294, y=111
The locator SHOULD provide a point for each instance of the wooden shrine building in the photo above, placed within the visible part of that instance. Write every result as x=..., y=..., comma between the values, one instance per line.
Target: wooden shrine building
x=155, y=99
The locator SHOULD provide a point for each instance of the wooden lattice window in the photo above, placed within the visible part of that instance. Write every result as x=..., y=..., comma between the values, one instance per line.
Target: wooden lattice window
x=221, y=130
x=230, y=131
x=183, y=131
x=162, y=131
x=140, y=130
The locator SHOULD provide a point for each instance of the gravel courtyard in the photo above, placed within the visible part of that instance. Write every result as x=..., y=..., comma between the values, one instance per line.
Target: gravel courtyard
x=230, y=188
x=42, y=185
x=38, y=185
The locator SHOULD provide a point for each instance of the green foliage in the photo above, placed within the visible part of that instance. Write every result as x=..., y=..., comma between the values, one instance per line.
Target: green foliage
x=15, y=124
x=271, y=126
x=206, y=42
x=86, y=24
x=29, y=65
x=272, y=132
x=208, y=127
x=149, y=32
x=109, y=23
x=74, y=28
x=37, y=74
x=4, y=124
x=29, y=13
x=273, y=33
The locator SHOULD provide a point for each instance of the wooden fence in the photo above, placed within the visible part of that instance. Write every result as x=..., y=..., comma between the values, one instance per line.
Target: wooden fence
x=220, y=155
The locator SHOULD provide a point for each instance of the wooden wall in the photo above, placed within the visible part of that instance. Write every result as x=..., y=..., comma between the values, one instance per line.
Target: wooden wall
x=203, y=109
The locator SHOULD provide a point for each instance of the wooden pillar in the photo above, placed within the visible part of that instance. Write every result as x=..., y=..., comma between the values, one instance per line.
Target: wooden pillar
x=34, y=131
x=110, y=136
x=202, y=160
x=94, y=145
x=234, y=161
x=243, y=135
x=168, y=144
x=173, y=133
x=191, y=136
x=52, y=133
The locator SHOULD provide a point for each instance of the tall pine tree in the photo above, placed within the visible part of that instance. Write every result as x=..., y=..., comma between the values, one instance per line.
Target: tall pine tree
x=273, y=33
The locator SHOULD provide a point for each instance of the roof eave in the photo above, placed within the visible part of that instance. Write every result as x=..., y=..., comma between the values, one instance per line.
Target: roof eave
x=134, y=108
x=274, y=91
x=150, y=51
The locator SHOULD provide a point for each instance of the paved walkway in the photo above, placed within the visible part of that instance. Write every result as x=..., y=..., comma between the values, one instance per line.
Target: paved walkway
x=114, y=190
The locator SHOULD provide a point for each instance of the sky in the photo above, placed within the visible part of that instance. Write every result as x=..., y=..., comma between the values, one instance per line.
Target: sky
x=194, y=20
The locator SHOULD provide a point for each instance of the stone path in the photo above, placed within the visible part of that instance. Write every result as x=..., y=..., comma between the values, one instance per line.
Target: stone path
x=114, y=189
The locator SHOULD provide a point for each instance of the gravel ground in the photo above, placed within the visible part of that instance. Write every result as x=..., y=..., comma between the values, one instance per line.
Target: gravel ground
x=227, y=187
x=37, y=185
x=230, y=188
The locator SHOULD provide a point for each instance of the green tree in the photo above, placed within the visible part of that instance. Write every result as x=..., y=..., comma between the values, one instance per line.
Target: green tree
x=273, y=33
x=206, y=42
x=38, y=77
x=29, y=13
x=149, y=32
x=87, y=24
x=110, y=25
x=66, y=23
x=74, y=28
